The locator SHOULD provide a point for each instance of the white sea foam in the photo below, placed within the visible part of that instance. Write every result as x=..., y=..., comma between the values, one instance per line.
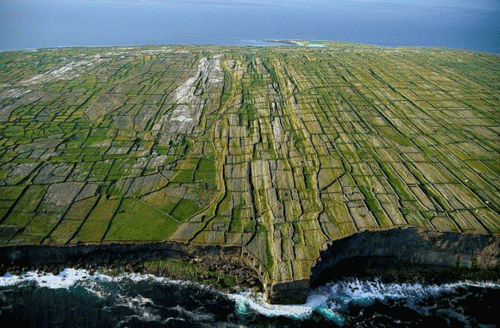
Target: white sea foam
x=69, y=276
x=248, y=302
x=140, y=305
x=255, y=301
x=342, y=293
x=328, y=300
x=64, y=279
x=331, y=299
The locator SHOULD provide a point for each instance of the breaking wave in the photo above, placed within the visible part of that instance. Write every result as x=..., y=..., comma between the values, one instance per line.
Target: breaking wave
x=80, y=298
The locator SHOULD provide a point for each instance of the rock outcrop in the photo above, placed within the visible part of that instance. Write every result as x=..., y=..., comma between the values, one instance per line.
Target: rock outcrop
x=300, y=159
x=403, y=246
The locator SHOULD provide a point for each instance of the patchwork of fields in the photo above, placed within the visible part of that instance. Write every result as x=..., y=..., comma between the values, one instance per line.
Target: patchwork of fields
x=277, y=150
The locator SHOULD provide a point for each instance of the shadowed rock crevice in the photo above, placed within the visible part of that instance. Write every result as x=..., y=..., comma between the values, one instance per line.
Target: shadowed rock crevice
x=393, y=251
x=398, y=255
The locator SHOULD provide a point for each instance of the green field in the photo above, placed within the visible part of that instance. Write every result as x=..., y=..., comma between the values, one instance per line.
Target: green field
x=277, y=150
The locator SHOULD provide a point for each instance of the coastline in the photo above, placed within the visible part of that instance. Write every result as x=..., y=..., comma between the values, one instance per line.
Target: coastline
x=226, y=269
x=233, y=278
x=222, y=268
x=295, y=43
x=140, y=182
x=149, y=299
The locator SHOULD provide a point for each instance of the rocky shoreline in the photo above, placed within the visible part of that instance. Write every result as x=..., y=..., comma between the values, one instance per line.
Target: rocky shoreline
x=245, y=278
x=207, y=265
x=393, y=270
x=394, y=255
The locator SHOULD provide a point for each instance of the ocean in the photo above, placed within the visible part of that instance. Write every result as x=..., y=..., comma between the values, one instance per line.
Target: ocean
x=78, y=298
x=464, y=24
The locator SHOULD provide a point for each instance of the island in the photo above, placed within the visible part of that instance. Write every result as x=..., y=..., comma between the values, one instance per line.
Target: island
x=295, y=162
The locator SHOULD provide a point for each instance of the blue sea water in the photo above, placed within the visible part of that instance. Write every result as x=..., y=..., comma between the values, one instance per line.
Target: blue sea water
x=77, y=298
x=465, y=24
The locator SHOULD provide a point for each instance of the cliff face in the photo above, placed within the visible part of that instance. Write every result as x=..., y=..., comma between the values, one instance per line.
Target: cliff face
x=413, y=246
x=402, y=246
x=276, y=152
x=103, y=254
x=408, y=246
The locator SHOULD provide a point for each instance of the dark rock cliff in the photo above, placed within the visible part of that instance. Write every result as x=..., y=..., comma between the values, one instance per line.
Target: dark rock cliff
x=398, y=248
x=411, y=246
x=37, y=256
x=399, y=253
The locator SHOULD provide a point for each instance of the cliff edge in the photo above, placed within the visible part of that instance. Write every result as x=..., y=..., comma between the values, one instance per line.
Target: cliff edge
x=291, y=155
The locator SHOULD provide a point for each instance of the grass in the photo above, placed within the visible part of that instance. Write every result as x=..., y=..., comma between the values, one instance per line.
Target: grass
x=183, y=176
x=11, y=192
x=137, y=221
x=188, y=271
x=207, y=164
x=368, y=126
x=184, y=209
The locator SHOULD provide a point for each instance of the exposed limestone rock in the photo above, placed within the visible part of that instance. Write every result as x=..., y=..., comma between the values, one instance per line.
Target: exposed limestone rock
x=19, y=172
x=103, y=105
x=189, y=98
x=89, y=190
x=53, y=173
x=60, y=195
x=261, y=149
x=66, y=72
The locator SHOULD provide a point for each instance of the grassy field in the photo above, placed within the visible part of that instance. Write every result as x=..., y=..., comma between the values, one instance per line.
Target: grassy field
x=275, y=149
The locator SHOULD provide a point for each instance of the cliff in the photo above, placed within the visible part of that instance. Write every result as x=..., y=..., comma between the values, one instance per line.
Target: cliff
x=397, y=250
x=282, y=153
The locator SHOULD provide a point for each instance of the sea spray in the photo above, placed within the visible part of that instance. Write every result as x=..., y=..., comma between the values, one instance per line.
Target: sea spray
x=80, y=298
x=248, y=301
x=373, y=303
x=340, y=294
x=64, y=279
